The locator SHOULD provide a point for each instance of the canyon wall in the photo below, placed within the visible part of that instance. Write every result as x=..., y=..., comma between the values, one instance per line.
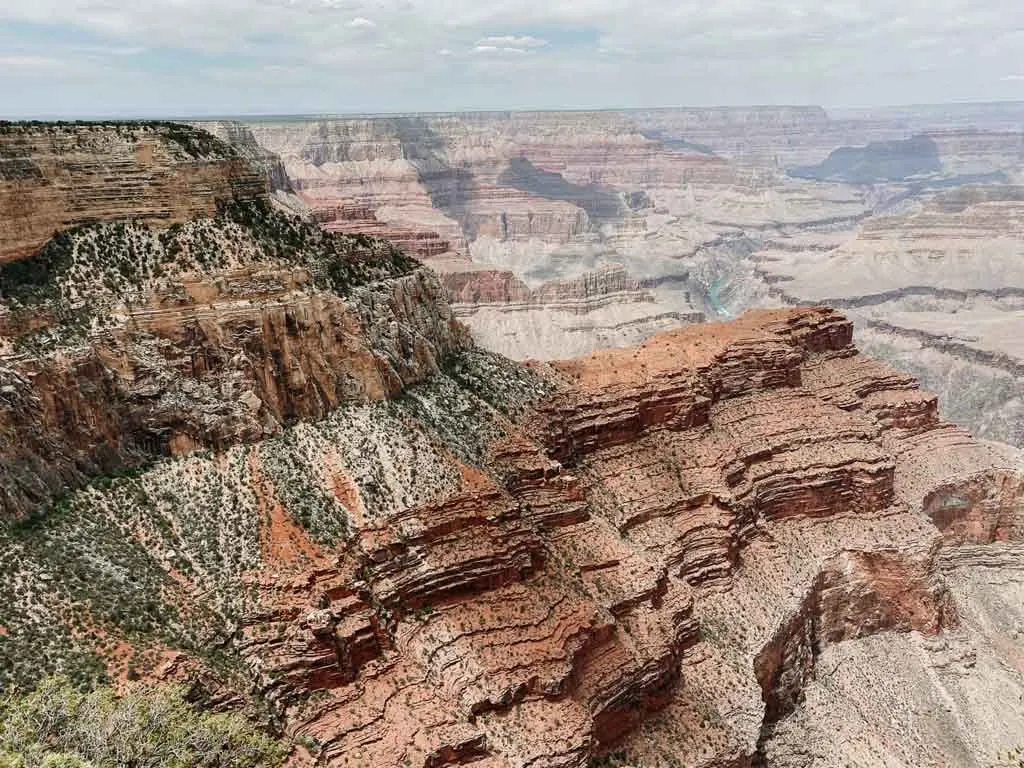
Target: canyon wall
x=702, y=209
x=547, y=197
x=935, y=288
x=268, y=462
x=56, y=175
x=178, y=311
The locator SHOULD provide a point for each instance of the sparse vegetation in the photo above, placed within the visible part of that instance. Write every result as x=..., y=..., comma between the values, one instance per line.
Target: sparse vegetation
x=84, y=271
x=507, y=386
x=56, y=726
x=155, y=557
x=194, y=142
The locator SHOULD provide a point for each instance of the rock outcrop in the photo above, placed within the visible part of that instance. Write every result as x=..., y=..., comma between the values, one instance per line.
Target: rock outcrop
x=209, y=366
x=936, y=288
x=56, y=175
x=198, y=317
x=697, y=206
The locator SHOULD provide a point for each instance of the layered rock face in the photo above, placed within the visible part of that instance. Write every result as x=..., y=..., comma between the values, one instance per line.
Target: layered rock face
x=207, y=366
x=700, y=207
x=937, y=288
x=268, y=461
x=56, y=175
x=211, y=321
x=679, y=198
x=606, y=306
x=549, y=197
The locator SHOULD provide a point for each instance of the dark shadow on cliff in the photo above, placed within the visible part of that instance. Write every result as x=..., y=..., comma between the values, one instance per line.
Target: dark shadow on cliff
x=600, y=203
x=450, y=189
x=877, y=162
x=677, y=142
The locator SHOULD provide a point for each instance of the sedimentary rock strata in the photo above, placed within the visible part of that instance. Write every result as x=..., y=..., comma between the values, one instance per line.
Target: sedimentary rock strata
x=55, y=175
x=934, y=288
x=698, y=206
x=268, y=461
x=646, y=552
x=552, y=199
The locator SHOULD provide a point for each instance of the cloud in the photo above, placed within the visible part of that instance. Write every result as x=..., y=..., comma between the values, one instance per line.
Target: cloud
x=494, y=49
x=503, y=45
x=511, y=41
x=32, y=65
x=530, y=53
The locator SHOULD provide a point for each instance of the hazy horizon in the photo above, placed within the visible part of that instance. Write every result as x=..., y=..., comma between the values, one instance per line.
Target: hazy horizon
x=91, y=58
x=834, y=112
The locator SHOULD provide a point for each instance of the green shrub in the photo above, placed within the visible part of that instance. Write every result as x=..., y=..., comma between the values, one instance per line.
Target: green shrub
x=57, y=726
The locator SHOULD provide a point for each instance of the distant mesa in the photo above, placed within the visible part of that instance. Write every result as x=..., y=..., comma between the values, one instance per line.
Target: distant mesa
x=879, y=161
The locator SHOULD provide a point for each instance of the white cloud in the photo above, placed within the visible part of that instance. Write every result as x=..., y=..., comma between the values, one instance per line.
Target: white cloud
x=674, y=51
x=511, y=41
x=496, y=50
x=508, y=45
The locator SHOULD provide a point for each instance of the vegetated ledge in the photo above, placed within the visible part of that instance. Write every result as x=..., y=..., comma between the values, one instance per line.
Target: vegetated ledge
x=130, y=342
x=56, y=175
x=126, y=261
x=196, y=143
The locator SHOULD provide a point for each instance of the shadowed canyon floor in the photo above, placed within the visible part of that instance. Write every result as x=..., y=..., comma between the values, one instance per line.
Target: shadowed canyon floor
x=268, y=461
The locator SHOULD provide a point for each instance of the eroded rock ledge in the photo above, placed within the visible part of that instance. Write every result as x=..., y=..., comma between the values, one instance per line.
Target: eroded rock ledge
x=665, y=546
x=55, y=175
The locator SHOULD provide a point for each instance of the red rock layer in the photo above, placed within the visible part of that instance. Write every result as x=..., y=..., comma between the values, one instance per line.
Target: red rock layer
x=210, y=365
x=571, y=606
x=360, y=219
x=470, y=289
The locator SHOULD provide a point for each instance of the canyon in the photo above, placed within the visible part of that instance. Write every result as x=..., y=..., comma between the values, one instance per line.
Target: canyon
x=250, y=448
x=557, y=234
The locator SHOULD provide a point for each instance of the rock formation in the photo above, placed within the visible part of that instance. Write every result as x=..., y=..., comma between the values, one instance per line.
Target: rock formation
x=697, y=206
x=55, y=175
x=548, y=197
x=936, y=288
x=293, y=480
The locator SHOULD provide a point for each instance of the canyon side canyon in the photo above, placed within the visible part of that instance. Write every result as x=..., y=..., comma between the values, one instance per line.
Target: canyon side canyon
x=547, y=440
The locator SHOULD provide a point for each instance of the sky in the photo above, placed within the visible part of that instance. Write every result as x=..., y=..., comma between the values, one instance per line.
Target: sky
x=177, y=58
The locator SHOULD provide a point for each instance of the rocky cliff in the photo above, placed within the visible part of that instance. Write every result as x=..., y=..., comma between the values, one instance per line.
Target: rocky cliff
x=935, y=286
x=211, y=320
x=267, y=461
x=56, y=175
x=696, y=205
x=549, y=197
